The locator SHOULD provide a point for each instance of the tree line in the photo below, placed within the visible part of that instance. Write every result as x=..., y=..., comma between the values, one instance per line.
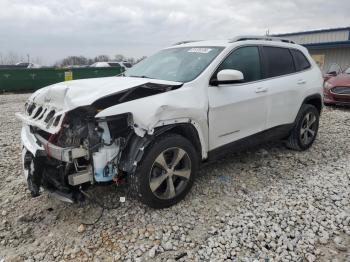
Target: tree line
x=82, y=60
x=11, y=58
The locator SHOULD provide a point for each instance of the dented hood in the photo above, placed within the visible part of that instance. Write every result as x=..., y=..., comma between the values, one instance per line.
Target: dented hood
x=68, y=95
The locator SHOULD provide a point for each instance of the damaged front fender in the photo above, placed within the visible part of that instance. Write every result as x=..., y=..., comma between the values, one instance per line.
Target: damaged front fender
x=165, y=109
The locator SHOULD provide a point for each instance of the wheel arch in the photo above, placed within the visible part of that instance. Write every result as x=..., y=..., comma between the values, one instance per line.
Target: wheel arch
x=315, y=100
x=135, y=148
x=188, y=131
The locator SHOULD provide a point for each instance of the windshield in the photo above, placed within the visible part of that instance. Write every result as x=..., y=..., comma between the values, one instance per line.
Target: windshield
x=334, y=69
x=347, y=71
x=182, y=64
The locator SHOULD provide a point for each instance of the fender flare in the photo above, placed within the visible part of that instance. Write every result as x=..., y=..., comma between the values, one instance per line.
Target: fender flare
x=135, y=147
x=313, y=97
x=309, y=98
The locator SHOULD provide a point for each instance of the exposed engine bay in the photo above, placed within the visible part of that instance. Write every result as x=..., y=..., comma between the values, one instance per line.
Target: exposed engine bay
x=85, y=150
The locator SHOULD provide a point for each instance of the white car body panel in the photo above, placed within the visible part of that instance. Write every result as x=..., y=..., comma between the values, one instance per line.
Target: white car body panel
x=186, y=104
x=66, y=96
x=253, y=110
x=235, y=111
x=29, y=141
x=219, y=114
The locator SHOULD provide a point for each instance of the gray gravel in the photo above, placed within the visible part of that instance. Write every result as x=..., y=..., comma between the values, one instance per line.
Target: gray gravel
x=267, y=204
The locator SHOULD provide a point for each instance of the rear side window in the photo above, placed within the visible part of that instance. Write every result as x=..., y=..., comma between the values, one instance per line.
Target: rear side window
x=301, y=62
x=246, y=60
x=278, y=61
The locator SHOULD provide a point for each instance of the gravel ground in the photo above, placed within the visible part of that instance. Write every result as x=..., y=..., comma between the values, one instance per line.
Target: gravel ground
x=267, y=204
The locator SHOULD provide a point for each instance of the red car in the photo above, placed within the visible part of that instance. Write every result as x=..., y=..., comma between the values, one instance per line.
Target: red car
x=336, y=89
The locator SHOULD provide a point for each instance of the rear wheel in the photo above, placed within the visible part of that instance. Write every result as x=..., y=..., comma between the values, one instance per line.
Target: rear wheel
x=166, y=173
x=305, y=129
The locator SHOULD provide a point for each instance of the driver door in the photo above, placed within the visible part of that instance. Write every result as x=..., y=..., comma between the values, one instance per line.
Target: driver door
x=238, y=110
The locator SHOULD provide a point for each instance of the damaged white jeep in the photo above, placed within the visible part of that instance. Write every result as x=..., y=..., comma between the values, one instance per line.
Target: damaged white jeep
x=155, y=124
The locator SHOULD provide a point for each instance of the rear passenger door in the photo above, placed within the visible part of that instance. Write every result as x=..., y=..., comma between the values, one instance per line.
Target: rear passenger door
x=284, y=86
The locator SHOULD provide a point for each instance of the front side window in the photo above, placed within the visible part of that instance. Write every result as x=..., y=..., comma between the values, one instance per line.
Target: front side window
x=181, y=64
x=246, y=60
x=278, y=61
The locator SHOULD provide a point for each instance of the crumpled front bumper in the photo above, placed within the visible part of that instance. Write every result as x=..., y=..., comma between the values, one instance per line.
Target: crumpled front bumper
x=38, y=145
x=35, y=150
x=29, y=144
x=29, y=141
x=34, y=146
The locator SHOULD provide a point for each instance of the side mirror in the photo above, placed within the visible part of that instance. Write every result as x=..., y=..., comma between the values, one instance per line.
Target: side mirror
x=228, y=76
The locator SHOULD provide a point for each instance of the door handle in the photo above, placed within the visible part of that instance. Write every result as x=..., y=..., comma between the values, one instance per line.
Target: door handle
x=261, y=90
x=301, y=82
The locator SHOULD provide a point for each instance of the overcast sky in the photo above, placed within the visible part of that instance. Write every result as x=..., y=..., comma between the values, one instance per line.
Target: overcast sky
x=53, y=29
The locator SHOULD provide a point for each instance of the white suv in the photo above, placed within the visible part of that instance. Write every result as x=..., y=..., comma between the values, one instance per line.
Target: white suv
x=154, y=125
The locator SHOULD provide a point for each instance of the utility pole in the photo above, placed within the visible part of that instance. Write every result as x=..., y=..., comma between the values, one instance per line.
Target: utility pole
x=28, y=58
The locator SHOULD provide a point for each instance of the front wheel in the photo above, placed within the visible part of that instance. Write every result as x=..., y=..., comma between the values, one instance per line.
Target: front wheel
x=166, y=173
x=305, y=129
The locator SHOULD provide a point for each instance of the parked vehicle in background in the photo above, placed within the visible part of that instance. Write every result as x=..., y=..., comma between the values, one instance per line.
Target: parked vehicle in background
x=336, y=89
x=123, y=65
x=154, y=125
x=333, y=70
x=21, y=65
x=27, y=65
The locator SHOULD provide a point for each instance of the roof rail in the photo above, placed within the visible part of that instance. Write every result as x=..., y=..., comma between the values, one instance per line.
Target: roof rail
x=257, y=37
x=186, y=42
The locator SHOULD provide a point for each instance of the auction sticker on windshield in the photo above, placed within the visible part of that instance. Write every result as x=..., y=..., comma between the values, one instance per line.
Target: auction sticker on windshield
x=201, y=50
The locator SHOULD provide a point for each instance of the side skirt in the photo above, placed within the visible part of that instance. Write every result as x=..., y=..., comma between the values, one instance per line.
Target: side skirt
x=272, y=134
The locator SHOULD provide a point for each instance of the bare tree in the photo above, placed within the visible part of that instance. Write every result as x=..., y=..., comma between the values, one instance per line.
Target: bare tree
x=37, y=60
x=81, y=60
x=102, y=58
x=12, y=58
x=2, y=59
x=119, y=58
x=73, y=60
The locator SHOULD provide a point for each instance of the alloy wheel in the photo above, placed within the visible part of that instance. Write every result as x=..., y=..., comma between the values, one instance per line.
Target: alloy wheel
x=170, y=173
x=308, y=128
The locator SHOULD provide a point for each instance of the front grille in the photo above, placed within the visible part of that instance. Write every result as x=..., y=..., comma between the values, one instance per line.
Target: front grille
x=49, y=116
x=31, y=108
x=38, y=112
x=44, y=115
x=341, y=90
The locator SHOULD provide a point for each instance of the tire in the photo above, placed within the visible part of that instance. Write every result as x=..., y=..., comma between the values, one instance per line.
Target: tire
x=170, y=159
x=304, y=127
